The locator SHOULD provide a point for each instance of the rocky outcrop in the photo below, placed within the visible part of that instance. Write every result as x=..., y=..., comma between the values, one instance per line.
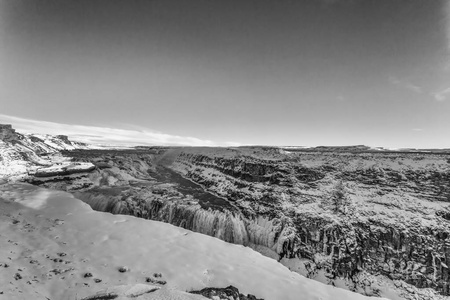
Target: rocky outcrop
x=254, y=170
x=7, y=133
x=416, y=255
x=230, y=292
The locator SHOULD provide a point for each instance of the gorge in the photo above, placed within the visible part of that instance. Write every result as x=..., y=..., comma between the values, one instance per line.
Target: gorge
x=371, y=221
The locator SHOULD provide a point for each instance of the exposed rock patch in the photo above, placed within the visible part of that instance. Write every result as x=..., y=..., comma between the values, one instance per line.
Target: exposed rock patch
x=227, y=293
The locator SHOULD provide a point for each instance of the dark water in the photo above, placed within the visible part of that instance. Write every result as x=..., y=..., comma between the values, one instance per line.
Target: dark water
x=187, y=187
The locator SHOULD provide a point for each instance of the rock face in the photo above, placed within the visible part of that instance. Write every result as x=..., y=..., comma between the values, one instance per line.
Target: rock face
x=391, y=217
x=7, y=133
x=123, y=185
x=170, y=207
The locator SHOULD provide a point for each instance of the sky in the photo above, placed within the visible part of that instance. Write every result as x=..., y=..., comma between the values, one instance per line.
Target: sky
x=206, y=72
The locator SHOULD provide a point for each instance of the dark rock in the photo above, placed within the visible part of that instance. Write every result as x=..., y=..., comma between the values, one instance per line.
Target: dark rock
x=444, y=214
x=227, y=293
x=7, y=133
x=123, y=269
x=155, y=281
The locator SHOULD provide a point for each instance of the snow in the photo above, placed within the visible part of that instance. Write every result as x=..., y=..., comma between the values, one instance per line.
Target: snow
x=145, y=292
x=31, y=152
x=40, y=225
x=66, y=166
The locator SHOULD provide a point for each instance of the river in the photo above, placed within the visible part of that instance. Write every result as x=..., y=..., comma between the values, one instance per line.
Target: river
x=187, y=187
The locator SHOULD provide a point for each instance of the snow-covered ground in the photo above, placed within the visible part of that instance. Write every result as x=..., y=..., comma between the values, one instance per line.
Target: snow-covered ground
x=49, y=242
x=30, y=153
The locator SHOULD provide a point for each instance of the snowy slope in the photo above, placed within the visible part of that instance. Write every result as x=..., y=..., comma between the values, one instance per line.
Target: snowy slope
x=29, y=152
x=50, y=240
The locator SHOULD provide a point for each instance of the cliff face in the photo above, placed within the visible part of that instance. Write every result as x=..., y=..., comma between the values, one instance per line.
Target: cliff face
x=7, y=133
x=122, y=183
x=384, y=213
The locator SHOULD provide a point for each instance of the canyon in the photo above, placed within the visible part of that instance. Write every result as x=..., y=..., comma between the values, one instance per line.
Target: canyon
x=368, y=220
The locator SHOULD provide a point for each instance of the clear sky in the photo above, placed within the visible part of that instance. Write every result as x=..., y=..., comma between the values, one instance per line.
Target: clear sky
x=310, y=72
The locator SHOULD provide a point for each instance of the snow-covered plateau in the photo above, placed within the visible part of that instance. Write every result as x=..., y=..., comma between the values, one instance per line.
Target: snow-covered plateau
x=332, y=219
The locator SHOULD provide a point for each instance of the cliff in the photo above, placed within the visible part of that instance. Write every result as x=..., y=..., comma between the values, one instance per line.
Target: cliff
x=7, y=133
x=384, y=213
